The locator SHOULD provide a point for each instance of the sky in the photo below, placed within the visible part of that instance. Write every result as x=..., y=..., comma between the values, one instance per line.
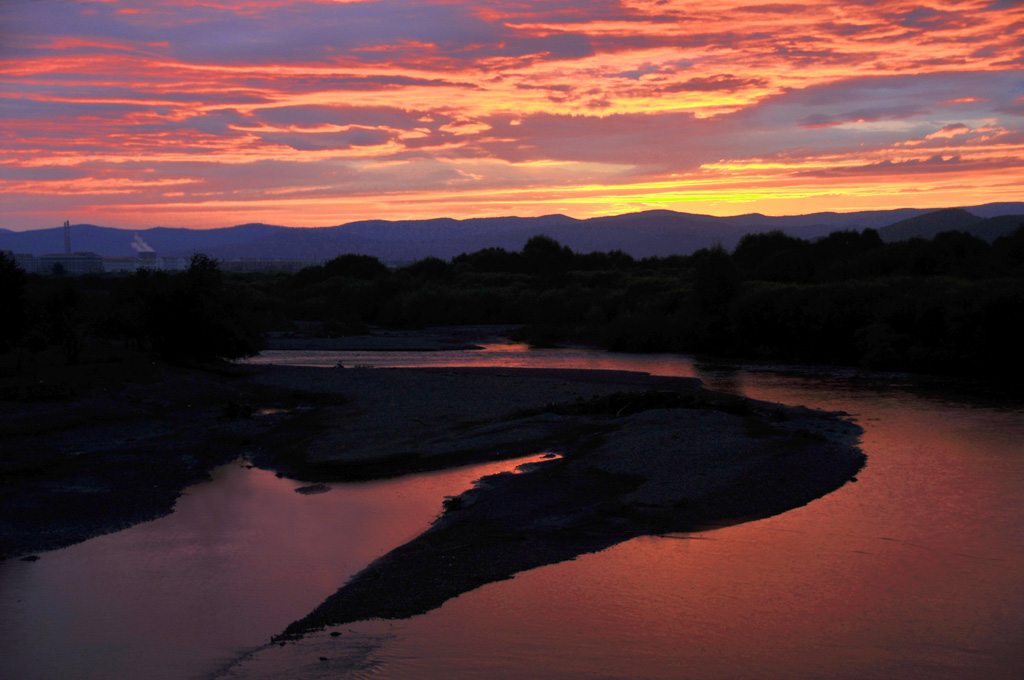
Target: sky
x=209, y=113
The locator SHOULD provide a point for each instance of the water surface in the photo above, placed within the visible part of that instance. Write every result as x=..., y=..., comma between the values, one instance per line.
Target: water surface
x=240, y=558
x=914, y=571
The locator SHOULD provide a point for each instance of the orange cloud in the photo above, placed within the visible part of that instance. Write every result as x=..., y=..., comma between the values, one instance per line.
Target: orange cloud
x=413, y=109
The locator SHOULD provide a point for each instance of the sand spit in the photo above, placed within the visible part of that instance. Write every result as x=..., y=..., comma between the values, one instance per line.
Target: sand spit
x=640, y=455
x=397, y=421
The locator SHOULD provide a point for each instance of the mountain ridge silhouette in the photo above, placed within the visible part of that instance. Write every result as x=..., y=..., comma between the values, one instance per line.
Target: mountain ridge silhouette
x=641, y=234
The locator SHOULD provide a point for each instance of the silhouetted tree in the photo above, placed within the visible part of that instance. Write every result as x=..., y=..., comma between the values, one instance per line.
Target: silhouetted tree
x=1008, y=254
x=545, y=255
x=839, y=255
x=12, y=302
x=429, y=269
x=716, y=278
x=307, y=276
x=204, y=271
x=848, y=298
x=126, y=315
x=196, y=315
x=364, y=267
x=489, y=260
x=614, y=260
x=65, y=313
x=774, y=256
x=961, y=254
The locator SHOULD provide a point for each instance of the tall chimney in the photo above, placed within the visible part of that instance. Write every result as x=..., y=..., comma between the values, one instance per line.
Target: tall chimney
x=67, y=237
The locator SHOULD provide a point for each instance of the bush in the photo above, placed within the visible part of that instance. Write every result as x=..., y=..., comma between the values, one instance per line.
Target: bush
x=12, y=302
x=197, y=315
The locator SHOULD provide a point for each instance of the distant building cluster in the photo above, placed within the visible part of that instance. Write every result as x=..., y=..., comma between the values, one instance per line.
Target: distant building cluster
x=78, y=264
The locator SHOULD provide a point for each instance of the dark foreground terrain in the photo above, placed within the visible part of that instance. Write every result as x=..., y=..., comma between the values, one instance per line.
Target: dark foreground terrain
x=638, y=455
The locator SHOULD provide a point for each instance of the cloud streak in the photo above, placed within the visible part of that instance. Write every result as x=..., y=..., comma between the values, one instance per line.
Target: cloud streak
x=207, y=113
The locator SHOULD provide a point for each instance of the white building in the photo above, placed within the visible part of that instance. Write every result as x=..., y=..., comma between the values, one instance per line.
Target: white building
x=74, y=264
x=26, y=261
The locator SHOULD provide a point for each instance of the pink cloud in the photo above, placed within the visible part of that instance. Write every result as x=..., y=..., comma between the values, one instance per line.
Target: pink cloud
x=451, y=96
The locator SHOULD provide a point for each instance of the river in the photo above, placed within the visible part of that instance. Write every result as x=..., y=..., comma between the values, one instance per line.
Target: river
x=914, y=571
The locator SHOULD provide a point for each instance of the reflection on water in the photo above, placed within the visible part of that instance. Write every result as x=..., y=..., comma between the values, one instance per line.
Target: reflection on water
x=512, y=355
x=912, y=572
x=240, y=558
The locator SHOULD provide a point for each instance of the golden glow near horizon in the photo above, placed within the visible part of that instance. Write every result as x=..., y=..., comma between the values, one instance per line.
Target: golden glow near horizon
x=315, y=112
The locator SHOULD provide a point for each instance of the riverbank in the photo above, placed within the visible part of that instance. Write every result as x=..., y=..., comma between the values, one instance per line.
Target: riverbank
x=432, y=339
x=96, y=448
x=639, y=455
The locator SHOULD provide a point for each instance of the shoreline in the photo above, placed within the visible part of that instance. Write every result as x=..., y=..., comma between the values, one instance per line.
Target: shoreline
x=639, y=455
x=106, y=455
x=649, y=457
x=433, y=339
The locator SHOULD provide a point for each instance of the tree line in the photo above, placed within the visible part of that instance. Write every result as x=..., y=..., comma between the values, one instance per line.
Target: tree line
x=198, y=314
x=947, y=305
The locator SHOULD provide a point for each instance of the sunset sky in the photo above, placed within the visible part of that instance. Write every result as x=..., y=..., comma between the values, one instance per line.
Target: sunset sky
x=210, y=113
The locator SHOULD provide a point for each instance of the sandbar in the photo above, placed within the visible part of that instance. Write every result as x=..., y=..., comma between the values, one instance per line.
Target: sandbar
x=636, y=455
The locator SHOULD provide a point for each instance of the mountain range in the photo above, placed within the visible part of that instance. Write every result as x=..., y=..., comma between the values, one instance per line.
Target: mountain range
x=642, y=234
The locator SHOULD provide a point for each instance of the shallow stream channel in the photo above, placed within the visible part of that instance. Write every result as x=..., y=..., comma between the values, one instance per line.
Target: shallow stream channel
x=914, y=571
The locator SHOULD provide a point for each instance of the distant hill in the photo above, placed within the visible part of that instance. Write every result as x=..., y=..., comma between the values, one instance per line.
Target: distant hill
x=994, y=227
x=642, y=234
x=952, y=219
x=930, y=224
